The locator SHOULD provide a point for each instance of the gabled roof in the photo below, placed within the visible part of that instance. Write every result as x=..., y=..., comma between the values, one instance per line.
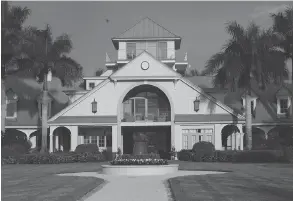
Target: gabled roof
x=28, y=91
x=147, y=29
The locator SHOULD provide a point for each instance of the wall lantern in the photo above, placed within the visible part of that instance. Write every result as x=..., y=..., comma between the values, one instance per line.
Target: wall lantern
x=94, y=106
x=196, y=104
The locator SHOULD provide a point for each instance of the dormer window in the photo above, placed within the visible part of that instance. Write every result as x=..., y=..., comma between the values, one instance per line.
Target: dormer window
x=284, y=106
x=130, y=50
x=11, y=110
x=162, y=50
x=11, y=104
x=92, y=85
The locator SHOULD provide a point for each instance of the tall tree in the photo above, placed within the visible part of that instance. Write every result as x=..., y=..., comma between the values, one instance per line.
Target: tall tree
x=248, y=56
x=283, y=28
x=14, y=36
x=46, y=55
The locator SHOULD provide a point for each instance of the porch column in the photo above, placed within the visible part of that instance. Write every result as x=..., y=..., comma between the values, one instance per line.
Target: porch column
x=114, y=139
x=241, y=140
x=233, y=141
x=57, y=142
x=73, y=137
x=229, y=141
x=51, y=142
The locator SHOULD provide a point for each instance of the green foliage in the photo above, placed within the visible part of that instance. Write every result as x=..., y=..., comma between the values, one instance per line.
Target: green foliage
x=203, y=150
x=143, y=156
x=185, y=155
x=139, y=162
x=83, y=148
x=53, y=158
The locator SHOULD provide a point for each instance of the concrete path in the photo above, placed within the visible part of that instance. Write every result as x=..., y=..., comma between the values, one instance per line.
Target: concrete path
x=134, y=188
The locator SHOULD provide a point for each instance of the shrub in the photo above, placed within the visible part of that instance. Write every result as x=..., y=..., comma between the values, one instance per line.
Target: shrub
x=224, y=156
x=257, y=156
x=143, y=156
x=164, y=155
x=185, y=155
x=139, y=162
x=90, y=148
x=7, y=151
x=204, y=151
x=287, y=154
x=108, y=155
x=49, y=158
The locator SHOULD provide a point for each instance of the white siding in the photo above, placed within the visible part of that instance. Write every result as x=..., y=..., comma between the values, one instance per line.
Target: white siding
x=171, y=49
x=122, y=51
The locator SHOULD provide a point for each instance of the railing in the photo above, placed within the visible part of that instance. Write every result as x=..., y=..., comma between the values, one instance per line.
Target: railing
x=160, y=55
x=159, y=116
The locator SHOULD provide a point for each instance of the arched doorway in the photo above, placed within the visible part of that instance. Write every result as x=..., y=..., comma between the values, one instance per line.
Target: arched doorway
x=258, y=138
x=13, y=136
x=147, y=103
x=36, y=139
x=279, y=136
x=61, y=139
x=228, y=142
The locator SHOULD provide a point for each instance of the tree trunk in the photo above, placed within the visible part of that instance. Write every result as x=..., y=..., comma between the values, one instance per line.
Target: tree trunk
x=3, y=104
x=45, y=100
x=248, y=121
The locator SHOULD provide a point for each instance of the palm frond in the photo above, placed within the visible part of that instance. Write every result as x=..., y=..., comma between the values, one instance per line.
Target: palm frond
x=61, y=46
x=214, y=63
x=235, y=30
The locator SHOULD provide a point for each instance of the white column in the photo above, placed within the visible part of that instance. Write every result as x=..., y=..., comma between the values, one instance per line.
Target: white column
x=119, y=138
x=233, y=141
x=121, y=144
x=241, y=141
x=177, y=137
x=229, y=141
x=114, y=139
x=73, y=137
x=218, y=136
x=52, y=128
x=57, y=141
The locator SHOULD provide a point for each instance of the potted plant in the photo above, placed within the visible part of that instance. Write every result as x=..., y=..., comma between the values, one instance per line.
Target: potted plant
x=173, y=153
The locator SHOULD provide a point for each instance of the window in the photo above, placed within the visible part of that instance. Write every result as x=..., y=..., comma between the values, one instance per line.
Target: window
x=90, y=139
x=130, y=50
x=283, y=106
x=209, y=138
x=193, y=139
x=185, y=142
x=11, y=110
x=91, y=85
x=102, y=141
x=162, y=50
x=200, y=138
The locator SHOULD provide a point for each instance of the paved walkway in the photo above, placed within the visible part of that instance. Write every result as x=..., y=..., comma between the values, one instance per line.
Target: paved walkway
x=134, y=188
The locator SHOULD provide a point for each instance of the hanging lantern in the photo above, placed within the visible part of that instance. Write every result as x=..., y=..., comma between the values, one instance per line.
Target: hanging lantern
x=196, y=104
x=94, y=106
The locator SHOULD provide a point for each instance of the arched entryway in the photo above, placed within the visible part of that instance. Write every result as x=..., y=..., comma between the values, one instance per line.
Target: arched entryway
x=258, y=138
x=13, y=136
x=36, y=139
x=61, y=139
x=230, y=140
x=279, y=136
x=148, y=104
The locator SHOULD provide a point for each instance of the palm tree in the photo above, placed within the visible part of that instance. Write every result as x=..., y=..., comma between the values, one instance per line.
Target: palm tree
x=48, y=55
x=14, y=36
x=283, y=28
x=192, y=72
x=248, y=56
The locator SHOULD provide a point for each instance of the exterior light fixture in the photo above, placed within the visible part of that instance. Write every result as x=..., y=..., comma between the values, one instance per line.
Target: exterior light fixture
x=196, y=104
x=94, y=106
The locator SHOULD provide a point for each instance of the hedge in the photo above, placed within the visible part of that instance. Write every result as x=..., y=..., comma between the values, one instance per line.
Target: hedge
x=53, y=158
x=139, y=162
x=84, y=148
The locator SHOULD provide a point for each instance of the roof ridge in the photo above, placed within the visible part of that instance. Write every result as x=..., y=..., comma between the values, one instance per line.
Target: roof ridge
x=148, y=18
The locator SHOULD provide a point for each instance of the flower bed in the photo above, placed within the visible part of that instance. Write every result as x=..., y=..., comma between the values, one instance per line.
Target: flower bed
x=143, y=156
x=139, y=162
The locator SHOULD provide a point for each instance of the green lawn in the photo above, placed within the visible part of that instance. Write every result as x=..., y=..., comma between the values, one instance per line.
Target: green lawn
x=40, y=183
x=245, y=182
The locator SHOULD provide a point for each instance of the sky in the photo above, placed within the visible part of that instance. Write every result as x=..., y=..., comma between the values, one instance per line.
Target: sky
x=200, y=24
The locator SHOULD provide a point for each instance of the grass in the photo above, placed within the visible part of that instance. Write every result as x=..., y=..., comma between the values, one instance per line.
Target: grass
x=40, y=182
x=242, y=182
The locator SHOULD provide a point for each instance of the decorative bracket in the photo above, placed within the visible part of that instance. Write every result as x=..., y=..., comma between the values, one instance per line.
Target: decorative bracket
x=175, y=82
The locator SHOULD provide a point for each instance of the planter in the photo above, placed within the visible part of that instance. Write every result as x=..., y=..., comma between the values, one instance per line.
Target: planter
x=139, y=170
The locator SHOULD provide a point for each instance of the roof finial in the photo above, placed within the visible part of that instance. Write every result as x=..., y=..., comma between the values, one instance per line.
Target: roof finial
x=108, y=60
x=185, y=58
